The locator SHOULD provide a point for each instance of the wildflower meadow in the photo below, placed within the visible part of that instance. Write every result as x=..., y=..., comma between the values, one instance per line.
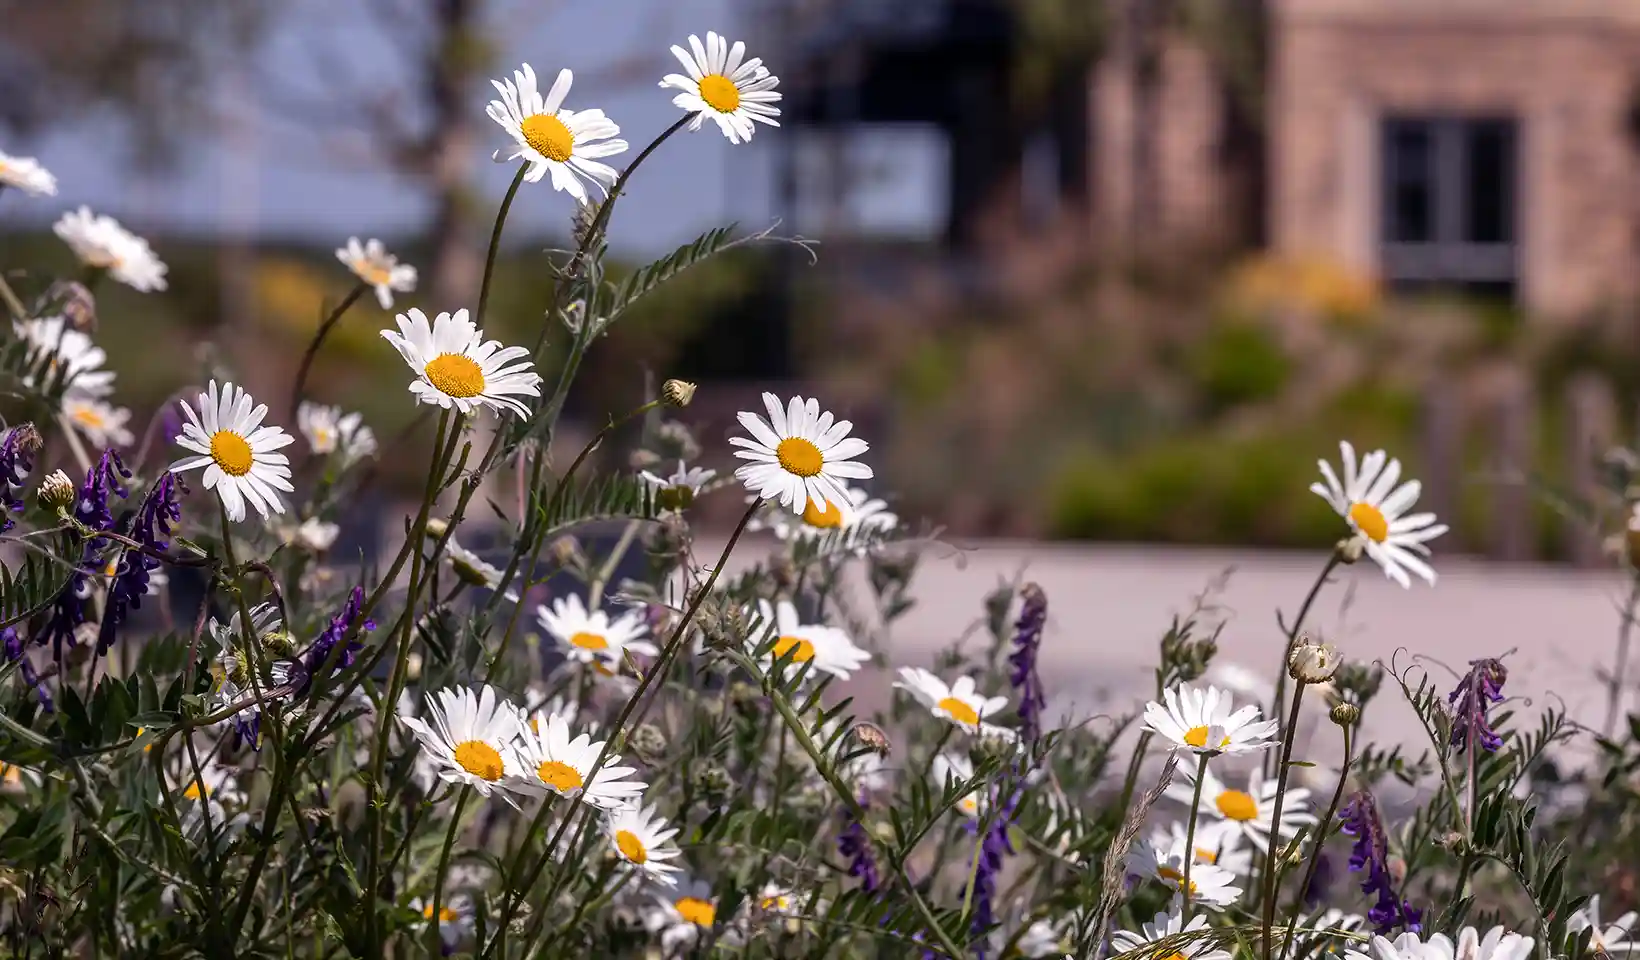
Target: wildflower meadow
x=438, y=753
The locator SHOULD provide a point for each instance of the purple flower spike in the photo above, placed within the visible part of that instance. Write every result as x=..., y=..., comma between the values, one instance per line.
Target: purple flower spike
x=1481, y=687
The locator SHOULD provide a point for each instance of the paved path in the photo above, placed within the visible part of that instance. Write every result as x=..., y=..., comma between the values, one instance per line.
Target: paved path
x=1109, y=605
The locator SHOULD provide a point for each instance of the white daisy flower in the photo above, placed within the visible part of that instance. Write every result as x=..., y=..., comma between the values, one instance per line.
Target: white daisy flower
x=1376, y=510
x=374, y=265
x=827, y=649
x=1217, y=843
x=1246, y=681
x=1247, y=810
x=1498, y=944
x=313, y=535
x=1202, y=721
x=1212, y=886
x=799, y=455
x=472, y=736
x=566, y=143
x=586, y=637
x=100, y=242
x=455, y=919
x=555, y=760
x=236, y=450
x=1040, y=939
x=26, y=174
x=642, y=838
x=456, y=367
x=954, y=769
x=103, y=424
x=1169, y=925
x=328, y=430
x=1620, y=937
x=474, y=569
x=78, y=360
x=679, y=490
x=682, y=917
x=859, y=513
x=959, y=703
x=725, y=86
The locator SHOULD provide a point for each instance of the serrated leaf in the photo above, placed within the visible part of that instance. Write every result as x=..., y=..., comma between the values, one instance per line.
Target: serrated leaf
x=614, y=497
x=36, y=585
x=645, y=279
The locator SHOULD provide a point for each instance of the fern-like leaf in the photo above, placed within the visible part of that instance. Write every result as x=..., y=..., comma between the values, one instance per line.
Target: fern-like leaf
x=615, y=497
x=35, y=585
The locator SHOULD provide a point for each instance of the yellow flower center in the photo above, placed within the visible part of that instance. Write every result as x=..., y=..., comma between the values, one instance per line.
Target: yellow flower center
x=455, y=375
x=231, y=453
x=699, y=912
x=589, y=641
x=828, y=517
x=1175, y=956
x=631, y=847
x=324, y=439
x=559, y=776
x=196, y=791
x=11, y=773
x=959, y=711
x=1370, y=521
x=603, y=669
x=445, y=914
x=720, y=93
x=802, y=651
x=1176, y=878
x=145, y=747
x=1237, y=805
x=1206, y=856
x=479, y=759
x=778, y=902
x=1197, y=737
x=549, y=137
x=800, y=457
x=90, y=416
x=374, y=274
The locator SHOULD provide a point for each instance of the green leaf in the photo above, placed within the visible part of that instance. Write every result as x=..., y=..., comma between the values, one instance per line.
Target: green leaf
x=37, y=584
x=615, y=497
x=645, y=279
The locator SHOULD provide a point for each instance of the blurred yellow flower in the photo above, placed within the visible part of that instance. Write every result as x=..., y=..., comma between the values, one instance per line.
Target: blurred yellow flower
x=1308, y=284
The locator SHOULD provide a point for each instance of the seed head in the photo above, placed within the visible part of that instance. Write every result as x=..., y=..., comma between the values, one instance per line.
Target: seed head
x=677, y=393
x=1345, y=714
x=56, y=492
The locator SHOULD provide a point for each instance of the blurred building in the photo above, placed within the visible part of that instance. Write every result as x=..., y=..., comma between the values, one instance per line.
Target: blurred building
x=1483, y=145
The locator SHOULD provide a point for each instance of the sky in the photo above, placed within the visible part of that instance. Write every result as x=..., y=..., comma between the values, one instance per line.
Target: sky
x=264, y=176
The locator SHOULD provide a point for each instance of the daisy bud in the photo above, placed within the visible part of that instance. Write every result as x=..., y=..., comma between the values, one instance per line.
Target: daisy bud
x=75, y=303
x=1313, y=662
x=872, y=736
x=648, y=742
x=675, y=498
x=436, y=527
x=567, y=552
x=677, y=393
x=1345, y=714
x=56, y=492
x=1351, y=549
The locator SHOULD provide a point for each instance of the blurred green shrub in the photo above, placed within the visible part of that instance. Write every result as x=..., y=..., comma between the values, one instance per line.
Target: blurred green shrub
x=1237, y=363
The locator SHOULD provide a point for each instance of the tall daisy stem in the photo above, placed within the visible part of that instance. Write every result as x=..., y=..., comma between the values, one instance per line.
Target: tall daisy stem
x=668, y=654
x=495, y=243
x=1321, y=837
x=435, y=941
x=1272, y=872
x=1185, y=890
x=395, y=682
x=325, y=326
x=1293, y=629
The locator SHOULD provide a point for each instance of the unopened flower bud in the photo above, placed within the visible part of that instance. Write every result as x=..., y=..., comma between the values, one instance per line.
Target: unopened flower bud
x=278, y=644
x=677, y=393
x=436, y=527
x=872, y=736
x=648, y=742
x=75, y=303
x=566, y=551
x=1453, y=841
x=1312, y=662
x=1345, y=714
x=1351, y=549
x=680, y=497
x=56, y=492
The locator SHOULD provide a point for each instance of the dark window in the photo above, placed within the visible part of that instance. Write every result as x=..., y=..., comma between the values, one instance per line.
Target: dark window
x=1449, y=201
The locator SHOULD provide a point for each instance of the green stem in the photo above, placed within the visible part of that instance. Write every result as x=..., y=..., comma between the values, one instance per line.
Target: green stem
x=1293, y=628
x=318, y=341
x=673, y=645
x=18, y=311
x=1320, y=838
x=1614, y=686
x=435, y=943
x=389, y=704
x=495, y=243
x=1185, y=890
x=1270, y=871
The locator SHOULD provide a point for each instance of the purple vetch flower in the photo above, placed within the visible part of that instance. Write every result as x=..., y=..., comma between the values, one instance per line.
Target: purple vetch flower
x=855, y=846
x=1360, y=819
x=11, y=645
x=1033, y=615
x=992, y=850
x=340, y=625
x=69, y=610
x=160, y=511
x=17, y=450
x=1481, y=687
